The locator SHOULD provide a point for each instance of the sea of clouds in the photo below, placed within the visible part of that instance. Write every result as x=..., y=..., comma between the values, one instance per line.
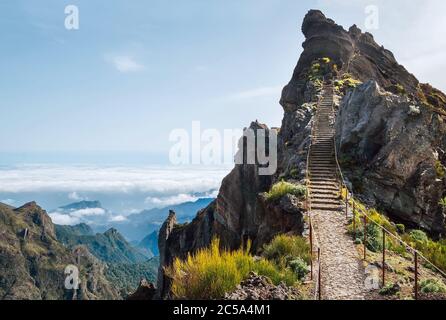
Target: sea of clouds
x=122, y=190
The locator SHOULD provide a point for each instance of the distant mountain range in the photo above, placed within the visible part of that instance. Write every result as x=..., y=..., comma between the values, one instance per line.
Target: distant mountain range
x=149, y=245
x=81, y=205
x=126, y=264
x=139, y=225
x=110, y=246
x=133, y=227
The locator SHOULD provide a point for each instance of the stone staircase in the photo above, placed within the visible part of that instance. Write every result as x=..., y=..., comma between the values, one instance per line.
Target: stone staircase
x=324, y=187
x=342, y=271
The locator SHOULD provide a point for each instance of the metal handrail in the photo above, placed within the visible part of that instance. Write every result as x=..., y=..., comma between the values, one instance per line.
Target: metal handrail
x=416, y=252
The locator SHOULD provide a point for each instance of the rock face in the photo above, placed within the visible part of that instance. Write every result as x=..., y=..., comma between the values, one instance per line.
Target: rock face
x=239, y=213
x=145, y=291
x=393, y=151
x=32, y=261
x=352, y=51
x=260, y=288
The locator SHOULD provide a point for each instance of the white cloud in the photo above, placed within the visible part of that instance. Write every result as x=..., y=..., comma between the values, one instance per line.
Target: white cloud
x=256, y=93
x=88, y=212
x=154, y=181
x=63, y=219
x=125, y=64
x=76, y=216
x=118, y=218
x=160, y=202
x=74, y=196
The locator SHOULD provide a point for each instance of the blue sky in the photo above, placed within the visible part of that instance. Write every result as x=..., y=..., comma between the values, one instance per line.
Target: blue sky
x=138, y=69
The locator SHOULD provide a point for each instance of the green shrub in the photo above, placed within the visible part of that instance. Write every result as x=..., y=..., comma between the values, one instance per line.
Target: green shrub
x=432, y=286
x=400, y=89
x=418, y=236
x=439, y=169
x=294, y=173
x=299, y=267
x=443, y=202
x=275, y=274
x=284, y=249
x=281, y=188
x=211, y=272
x=401, y=228
x=326, y=60
x=434, y=251
x=390, y=289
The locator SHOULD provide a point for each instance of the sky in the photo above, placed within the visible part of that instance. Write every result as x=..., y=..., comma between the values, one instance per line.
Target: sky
x=87, y=113
x=137, y=69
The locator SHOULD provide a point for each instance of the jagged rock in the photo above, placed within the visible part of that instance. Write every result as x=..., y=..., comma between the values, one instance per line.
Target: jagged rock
x=32, y=267
x=392, y=155
x=239, y=213
x=352, y=51
x=146, y=291
x=261, y=288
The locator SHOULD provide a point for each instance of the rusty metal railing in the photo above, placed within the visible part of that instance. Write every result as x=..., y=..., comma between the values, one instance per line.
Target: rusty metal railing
x=367, y=219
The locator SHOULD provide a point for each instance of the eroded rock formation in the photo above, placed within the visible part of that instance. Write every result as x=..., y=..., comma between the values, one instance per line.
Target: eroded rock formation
x=393, y=150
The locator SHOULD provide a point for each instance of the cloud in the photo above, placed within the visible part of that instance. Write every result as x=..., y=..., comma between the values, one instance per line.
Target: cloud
x=125, y=64
x=154, y=181
x=74, y=196
x=63, y=219
x=256, y=93
x=76, y=216
x=139, y=187
x=160, y=202
x=118, y=218
x=88, y=212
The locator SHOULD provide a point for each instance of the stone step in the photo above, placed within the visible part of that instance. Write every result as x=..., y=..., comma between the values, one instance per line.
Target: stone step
x=322, y=179
x=322, y=172
x=324, y=192
x=330, y=196
x=324, y=186
x=326, y=207
x=323, y=175
x=322, y=151
x=325, y=201
x=322, y=159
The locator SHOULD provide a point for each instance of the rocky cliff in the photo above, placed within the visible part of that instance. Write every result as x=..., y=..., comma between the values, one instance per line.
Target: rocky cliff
x=390, y=134
x=32, y=261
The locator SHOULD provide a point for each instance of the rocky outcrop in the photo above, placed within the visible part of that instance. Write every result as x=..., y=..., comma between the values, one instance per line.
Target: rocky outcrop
x=261, y=288
x=393, y=150
x=239, y=213
x=145, y=291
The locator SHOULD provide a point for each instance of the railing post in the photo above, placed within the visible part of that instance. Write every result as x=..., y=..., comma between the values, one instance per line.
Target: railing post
x=384, y=258
x=354, y=220
x=311, y=250
x=365, y=236
x=319, y=273
x=346, y=203
x=416, y=275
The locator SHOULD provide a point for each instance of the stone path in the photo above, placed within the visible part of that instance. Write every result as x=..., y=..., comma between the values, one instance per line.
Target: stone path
x=342, y=271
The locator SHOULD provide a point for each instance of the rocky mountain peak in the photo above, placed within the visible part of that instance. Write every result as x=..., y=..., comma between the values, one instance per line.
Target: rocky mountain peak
x=352, y=52
x=33, y=214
